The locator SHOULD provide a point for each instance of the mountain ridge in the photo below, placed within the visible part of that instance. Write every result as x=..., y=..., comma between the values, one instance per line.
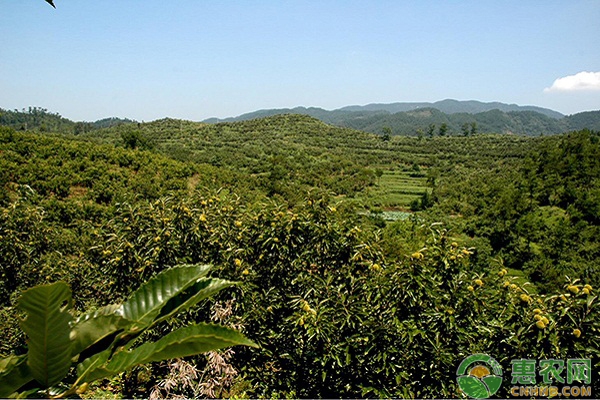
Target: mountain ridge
x=448, y=106
x=452, y=106
x=415, y=122
x=527, y=120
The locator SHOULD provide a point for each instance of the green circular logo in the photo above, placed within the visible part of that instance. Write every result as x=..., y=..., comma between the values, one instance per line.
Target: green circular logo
x=479, y=376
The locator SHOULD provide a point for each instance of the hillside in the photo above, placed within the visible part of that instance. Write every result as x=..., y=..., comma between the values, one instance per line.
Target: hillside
x=447, y=106
x=251, y=145
x=450, y=106
x=41, y=119
x=584, y=120
x=291, y=154
x=56, y=169
x=415, y=117
x=458, y=117
x=299, y=150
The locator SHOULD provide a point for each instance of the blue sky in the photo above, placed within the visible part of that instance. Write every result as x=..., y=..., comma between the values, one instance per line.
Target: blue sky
x=148, y=59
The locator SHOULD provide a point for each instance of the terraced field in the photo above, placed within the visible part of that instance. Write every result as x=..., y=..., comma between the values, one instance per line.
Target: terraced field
x=396, y=189
x=290, y=154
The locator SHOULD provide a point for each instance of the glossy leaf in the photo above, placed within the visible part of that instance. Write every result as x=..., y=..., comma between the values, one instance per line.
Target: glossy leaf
x=146, y=303
x=191, y=340
x=90, y=328
x=94, y=366
x=47, y=329
x=189, y=297
x=14, y=373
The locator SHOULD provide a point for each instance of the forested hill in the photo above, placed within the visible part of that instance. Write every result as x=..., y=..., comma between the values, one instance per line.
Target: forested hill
x=448, y=118
x=451, y=106
x=432, y=121
x=252, y=145
x=373, y=120
x=41, y=119
x=448, y=106
x=294, y=153
x=584, y=120
x=289, y=151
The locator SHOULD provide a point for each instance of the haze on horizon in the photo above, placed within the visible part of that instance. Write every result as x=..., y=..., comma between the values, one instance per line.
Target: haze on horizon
x=193, y=60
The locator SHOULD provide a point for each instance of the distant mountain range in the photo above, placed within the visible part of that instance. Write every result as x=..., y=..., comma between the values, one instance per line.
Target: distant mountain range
x=448, y=106
x=409, y=118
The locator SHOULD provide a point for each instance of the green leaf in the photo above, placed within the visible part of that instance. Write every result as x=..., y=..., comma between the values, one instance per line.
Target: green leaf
x=146, y=303
x=92, y=327
x=14, y=373
x=590, y=300
x=47, y=329
x=7, y=364
x=189, y=297
x=187, y=341
x=94, y=366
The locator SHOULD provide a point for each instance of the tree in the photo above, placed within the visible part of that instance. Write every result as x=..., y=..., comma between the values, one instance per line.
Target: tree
x=430, y=130
x=415, y=167
x=134, y=139
x=421, y=204
x=465, y=129
x=443, y=129
x=387, y=134
x=473, y=128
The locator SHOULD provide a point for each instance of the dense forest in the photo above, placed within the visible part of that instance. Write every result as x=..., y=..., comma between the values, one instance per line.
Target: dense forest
x=447, y=117
x=495, y=248
x=38, y=118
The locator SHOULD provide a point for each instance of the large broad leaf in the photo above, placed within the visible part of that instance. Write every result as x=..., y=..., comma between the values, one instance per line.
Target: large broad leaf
x=96, y=330
x=94, y=367
x=191, y=340
x=146, y=303
x=91, y=328
x=189, y=297
x=14, y=373
x=47, y=329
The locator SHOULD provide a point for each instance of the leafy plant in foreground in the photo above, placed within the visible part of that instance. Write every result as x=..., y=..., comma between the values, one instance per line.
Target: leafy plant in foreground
x=99, y=343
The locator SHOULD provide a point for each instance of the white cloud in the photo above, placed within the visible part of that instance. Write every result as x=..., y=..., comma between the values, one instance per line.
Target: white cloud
x=580, y=81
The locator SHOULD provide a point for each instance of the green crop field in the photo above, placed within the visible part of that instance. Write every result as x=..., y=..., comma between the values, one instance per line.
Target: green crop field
x=396, y=189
